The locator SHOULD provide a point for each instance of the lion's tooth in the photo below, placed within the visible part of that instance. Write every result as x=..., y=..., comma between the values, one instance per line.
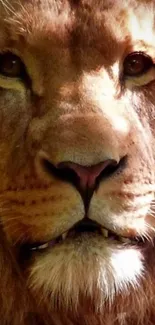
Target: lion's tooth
x=125, y=240
x=40, y=247
x=43, y=246
x=64, y=235
x=105, y=232
x=33, y=248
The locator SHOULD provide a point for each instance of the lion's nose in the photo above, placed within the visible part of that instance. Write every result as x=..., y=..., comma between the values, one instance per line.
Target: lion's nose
x=86, y=179
x=88, y=176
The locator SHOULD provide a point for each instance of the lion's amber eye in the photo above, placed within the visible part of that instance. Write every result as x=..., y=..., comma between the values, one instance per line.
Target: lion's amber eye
x=136, y=64
x=11, y=66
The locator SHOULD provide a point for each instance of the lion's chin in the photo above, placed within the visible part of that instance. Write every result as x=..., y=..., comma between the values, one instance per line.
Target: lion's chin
x=89, y=268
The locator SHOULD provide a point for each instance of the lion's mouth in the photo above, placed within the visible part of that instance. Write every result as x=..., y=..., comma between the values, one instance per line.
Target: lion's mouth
x=84, y=227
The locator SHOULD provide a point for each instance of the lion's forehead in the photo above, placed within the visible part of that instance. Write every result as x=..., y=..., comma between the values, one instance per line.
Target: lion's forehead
x=101, y=25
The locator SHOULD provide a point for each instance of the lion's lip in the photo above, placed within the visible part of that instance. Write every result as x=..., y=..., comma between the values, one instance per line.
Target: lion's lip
x=86, y=226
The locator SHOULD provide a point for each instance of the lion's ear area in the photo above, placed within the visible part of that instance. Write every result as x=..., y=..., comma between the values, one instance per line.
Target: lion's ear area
x=16, y=305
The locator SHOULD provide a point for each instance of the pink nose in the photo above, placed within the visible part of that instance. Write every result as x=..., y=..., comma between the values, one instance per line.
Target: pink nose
x=88, y=174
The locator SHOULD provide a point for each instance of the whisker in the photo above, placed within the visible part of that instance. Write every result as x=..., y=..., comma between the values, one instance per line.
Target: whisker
x=8, y=7
x=6, y=220
x=148, y=238
x=152, y=214
x=150, y=227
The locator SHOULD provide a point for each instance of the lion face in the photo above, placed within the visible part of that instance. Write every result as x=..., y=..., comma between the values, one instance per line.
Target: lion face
x=77, y=146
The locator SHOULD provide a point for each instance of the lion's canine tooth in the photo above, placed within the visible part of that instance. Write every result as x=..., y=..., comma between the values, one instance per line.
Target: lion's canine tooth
x=64, y=235
x=125, y=240
x=43, y=246
x=105, y=232
x=40, y=247
x=34, y=248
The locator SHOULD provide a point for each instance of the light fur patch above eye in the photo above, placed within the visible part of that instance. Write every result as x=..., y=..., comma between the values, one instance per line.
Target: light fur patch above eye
x=142, y=80
x=11, y=83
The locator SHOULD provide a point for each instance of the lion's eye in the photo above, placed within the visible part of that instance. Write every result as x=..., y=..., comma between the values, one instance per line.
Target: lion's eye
x=136, y=64
x=11, y=66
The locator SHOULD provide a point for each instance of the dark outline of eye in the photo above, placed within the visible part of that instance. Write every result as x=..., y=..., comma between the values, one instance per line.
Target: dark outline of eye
x=148, y=64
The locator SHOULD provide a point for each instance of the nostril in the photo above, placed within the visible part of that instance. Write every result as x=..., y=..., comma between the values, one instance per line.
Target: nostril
x=88, y=176
x=61, y=172
x=84, y=178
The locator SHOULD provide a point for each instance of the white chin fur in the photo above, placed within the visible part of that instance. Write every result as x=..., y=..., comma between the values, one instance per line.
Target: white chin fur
x=90, y=268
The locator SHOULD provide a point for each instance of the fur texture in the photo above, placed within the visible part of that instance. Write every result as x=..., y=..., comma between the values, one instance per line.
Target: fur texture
x=74, y=103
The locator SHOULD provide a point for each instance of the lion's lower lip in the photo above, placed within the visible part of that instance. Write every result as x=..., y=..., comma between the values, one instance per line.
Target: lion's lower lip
x=84, y=228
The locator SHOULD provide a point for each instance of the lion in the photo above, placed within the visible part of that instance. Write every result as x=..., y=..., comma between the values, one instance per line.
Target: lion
x=77, y=162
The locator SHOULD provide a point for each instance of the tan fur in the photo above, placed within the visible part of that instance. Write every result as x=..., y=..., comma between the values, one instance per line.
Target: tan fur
x=77, y=108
